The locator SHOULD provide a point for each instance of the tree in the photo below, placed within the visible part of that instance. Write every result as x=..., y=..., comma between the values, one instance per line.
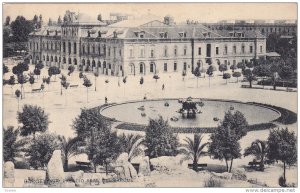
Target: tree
x=233, y=67
x=225, y=139
x=12, y=82
x=226, y=76
x=99, y=17
x=21, y=29
x=87, y=83
x=63, y=82
x=274, y=69
x=71, y=70
x=259, y=149
x=156, y=77
x=59, y=21
x=41, y=150
x=223, y=68
x=53, y=70
x=249, y=76
x=35, y=21
x=282, y=147
x=18, y=94
x=105, y=148
x=81, y=75
x=50, y=22
x=209, y=72
x=70, y=148
x=286, y=73
x=160, y=139
x=33, y=120
x=7, y=21
x=89, y=121
x=131, y=144
x=237, y=75
x=241, y=65
x=193, y=149
x=197, y=73
x=31, y=80
x=96, y=74
x=20, y=68
x=37, y=72
x=5, y=69
x=11, y=146
x=22, y=79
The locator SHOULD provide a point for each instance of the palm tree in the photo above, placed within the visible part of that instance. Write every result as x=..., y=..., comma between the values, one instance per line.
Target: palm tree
x=131, y=144
x=259, y=149
x=193, y=149
x=70, y=148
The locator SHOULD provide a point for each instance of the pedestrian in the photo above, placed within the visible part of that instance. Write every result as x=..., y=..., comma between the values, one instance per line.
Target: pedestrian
x=163, y=87
x=105, y=100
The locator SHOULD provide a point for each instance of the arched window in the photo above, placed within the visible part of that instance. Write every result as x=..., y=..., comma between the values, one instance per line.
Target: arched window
x=151, y=67
x=55, y=59
x=141, y=67
x=51, y=58
x=47, y=58
x=83, y=49
x=109, y=66
x=175, y=51
x=93, y=63
x=44, y=58
x=104, y=64
x=234, y=49
x=75, y=61
x=88, y=62
x=70, y=61
x=243, y=48
x=184, y=50
x=99, y=64
x=83, y=62
x=64, y=60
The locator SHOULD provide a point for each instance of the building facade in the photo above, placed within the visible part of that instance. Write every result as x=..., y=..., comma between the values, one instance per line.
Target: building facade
x=141, y=47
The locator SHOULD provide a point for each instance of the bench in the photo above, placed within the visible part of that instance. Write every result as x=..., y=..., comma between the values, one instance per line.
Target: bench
x=254, y=164
x=245, y=86
x=36, y=90
x=83, y=164
x=199, y=166
x=74, y=86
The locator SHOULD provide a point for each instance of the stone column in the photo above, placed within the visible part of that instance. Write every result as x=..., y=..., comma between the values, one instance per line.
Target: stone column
x=9, y=175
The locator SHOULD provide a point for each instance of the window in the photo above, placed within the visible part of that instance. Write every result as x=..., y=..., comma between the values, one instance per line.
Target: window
x=83, y=49
x=225, y=50
x=64, y=47
x=199, y=51
x=120, y=53
x=51, y=46
x=94, y=51
x=165, y=67
x=175, y=51
x=70, y=61
x=108, y=52
x=141, y=35
x=88, y=49
x=184, y=51
x=51, y=59
x=234, y=62
x=261, y=49
x=99, y=50
x=166, y=51
x=69, y=46
x=75, y=48
x=131, y=53
x=141, y=67
x=75, y=61
x=64, y=60
x=175, y=66
x=225, y=62
x=47, y=58
x=142, y=51
x=243, y=49
x=151, y=67
x=251, y=49
x=184, y=66
x=152, y=53
x=234, y=49
x=47, y=45
x=114, y=52
x=44, y=58
x=217, y=50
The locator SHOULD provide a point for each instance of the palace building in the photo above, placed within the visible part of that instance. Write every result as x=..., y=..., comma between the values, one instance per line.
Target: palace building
x=140, y=46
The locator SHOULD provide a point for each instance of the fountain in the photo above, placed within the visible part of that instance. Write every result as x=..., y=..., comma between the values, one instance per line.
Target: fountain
x=189, y=107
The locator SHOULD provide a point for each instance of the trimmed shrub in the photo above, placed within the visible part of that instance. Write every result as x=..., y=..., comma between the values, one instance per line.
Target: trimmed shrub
x=212, y=183
x=22, y=165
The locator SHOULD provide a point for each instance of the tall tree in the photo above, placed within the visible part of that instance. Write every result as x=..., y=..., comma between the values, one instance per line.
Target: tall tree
x=160, y=139
x=259, y=149
x=53, y=70
x=210, y=72
x=33, y=120
x=236, y=75
x=194, y=149
x=224, y=141
x=50, y=22
x=197, y=73
x=248, y=74
x=70, y=147
x=22, y=79
x=21, y=29
x=7, y=21
x=12, y=82
x=226, y=76
x=87, y=83
x=41, y=149
x=131, y=144
x=59, y=21
x=282, y=147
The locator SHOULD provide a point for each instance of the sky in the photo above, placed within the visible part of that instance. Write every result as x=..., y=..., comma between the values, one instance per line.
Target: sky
x=205, y=12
